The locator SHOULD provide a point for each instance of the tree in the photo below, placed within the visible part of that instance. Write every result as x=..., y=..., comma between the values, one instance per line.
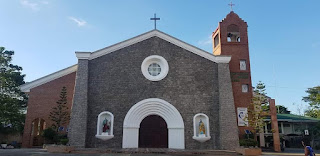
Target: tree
x=259, y=104
x=313, y=99
x=60, y=114
x=280, y=109
x=312, y=112
x=13, y=102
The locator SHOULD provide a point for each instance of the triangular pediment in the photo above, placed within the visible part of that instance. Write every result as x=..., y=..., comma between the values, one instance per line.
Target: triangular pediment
x=113, y=48
x=147, y=35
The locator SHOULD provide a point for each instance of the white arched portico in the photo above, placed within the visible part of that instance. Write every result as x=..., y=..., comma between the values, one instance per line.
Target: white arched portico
x=153, y=106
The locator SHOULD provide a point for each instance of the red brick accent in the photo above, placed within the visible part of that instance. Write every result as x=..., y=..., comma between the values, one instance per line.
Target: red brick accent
x=238, y=51
x=274, y=125
x=42, y=99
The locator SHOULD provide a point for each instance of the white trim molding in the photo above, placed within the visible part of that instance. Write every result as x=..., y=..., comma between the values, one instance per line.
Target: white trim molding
x=153, y=106
x=154, y=33
x=162, y=62
x=222, y=59
x=83, y=55
x=26, y=87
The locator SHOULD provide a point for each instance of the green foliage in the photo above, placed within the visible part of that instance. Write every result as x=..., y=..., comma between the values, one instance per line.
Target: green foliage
x=12, y=101
x=50, y=135
x=313, y=99
x=248, y=142
x=312, y=112
x=280, y=109
x=60, y=114
x=64, y=141
x=315, y=130
x=259, y=104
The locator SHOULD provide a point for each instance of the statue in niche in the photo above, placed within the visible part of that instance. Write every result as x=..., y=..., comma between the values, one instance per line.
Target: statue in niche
x=202, y=129
x=106, y=126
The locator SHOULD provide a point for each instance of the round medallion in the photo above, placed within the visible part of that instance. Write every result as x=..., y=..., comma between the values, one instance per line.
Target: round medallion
x=154, y=68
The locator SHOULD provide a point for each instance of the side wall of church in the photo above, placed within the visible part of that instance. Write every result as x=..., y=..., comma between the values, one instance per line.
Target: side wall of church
x=116, y=83
x=42, y=99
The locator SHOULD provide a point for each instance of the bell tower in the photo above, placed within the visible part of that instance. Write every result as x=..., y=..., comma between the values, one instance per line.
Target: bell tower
x=231, y=38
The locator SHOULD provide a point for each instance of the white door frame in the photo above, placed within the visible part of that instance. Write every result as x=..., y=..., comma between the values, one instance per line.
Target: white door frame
x=153, y=106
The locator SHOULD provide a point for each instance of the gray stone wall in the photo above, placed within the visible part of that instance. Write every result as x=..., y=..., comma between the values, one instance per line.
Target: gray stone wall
x=78, y=121
x=116, y=83
x=229, y=138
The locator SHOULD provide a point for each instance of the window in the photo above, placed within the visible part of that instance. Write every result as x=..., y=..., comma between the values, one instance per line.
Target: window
x=216, y=40
x=154, y=68
x=243, y=65
x=233, y=33
x=245, y=88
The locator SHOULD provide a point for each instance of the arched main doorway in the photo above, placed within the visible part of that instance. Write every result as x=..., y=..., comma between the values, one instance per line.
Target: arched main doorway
x=148, y=107
x=153, y=132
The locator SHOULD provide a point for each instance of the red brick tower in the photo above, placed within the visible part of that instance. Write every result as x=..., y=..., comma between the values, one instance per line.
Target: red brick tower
x=231, y=38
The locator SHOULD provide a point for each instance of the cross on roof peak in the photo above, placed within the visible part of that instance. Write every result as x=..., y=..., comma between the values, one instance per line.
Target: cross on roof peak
x=155, y=20
x=231, y=4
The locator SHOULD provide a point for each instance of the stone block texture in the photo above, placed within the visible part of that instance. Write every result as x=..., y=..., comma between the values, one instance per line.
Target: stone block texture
x=116, y=83
x=78, y=122
x=42, y=99
x=227, y=120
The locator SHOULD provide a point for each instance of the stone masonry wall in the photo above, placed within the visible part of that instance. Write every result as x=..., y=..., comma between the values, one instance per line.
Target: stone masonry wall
x=116, y=83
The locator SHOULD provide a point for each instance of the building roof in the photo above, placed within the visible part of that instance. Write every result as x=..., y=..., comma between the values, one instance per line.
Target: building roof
x=92, y=55
x=147, y=35
x=293, y=118
x=35, y=83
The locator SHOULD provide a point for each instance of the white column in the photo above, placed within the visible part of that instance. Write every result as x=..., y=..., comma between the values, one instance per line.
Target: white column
x=176, y=138
x=265, y=128
x=130, y=137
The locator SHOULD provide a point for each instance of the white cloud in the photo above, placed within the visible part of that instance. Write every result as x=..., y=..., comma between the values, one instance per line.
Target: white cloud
x=79, y=22
x=45, y=2
x=31, y=5
x=206, y=41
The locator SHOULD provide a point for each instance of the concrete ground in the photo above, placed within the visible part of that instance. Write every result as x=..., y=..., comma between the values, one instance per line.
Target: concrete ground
x=43, y=152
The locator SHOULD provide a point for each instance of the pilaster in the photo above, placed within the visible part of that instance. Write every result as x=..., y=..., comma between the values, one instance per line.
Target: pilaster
x=229, y=138
x=78, y=121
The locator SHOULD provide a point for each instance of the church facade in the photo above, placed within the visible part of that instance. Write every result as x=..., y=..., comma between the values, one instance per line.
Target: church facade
x=150, y=91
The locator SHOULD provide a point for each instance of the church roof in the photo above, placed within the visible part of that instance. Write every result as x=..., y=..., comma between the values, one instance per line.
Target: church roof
x=92, y=55
x=35, y=83
x=147, y=35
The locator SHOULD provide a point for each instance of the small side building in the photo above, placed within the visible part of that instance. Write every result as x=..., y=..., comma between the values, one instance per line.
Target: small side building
x=292, y=129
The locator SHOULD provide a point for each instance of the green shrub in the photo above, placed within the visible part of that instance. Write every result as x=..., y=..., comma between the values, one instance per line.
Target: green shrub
x=50, y=135
x=248, y=142
x=64, y=141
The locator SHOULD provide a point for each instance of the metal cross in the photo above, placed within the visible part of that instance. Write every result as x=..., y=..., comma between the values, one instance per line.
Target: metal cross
x=155, y=21
x=231, y=5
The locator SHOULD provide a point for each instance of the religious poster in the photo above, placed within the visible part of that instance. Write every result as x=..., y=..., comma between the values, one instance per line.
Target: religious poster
x=242, y=114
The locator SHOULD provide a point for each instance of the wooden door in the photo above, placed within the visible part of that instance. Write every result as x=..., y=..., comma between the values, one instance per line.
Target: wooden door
x=153, y=132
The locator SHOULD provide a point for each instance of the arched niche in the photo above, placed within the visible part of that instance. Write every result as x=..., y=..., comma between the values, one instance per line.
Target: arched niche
x=233, y=33
x=201, y=127
x=105, y=126
x=37, y=127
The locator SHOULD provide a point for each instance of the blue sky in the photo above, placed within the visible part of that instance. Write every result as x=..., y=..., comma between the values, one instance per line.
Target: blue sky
x=284, y=35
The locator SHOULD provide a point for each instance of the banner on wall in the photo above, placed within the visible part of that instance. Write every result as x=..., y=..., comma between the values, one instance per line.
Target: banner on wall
x=242, y=116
